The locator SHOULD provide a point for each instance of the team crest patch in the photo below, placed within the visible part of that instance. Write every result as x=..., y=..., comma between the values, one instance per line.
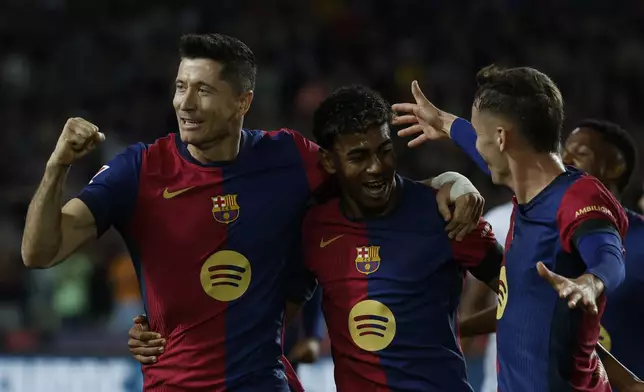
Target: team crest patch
x=225, y=208
x=368, y=259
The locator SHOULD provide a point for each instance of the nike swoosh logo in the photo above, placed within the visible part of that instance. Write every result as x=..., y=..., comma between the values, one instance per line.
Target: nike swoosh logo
x=169, y=195
x=324, y=243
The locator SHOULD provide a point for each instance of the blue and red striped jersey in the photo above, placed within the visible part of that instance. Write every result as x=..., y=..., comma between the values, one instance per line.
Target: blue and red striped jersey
x=542, y=344
x=391, y=288
x=623, y=320
x=211, y=245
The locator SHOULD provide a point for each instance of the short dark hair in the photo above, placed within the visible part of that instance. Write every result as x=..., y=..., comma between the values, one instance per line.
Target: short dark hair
x=349, y=110
x=620, y=139
x=528, y=98
x=237, y=60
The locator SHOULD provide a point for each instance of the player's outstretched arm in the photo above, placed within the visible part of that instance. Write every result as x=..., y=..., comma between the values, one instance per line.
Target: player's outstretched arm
x=427, y=122
x=619, y=376
x=52, y=234
x=144, y=344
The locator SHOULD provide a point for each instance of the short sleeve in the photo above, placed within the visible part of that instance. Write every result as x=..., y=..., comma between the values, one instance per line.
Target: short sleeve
x=310, y=159
x=587, y=204
x=112, y=193
x=479, y=252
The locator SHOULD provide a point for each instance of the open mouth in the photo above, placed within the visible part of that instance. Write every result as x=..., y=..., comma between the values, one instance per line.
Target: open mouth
x=375, y=188
x=190, y=123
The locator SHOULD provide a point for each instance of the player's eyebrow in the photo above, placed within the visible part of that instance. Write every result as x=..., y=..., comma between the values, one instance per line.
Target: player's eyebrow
x=200, y=83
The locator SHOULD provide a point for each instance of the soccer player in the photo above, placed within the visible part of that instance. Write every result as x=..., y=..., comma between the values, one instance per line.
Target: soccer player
x=566, y=229
x=606, y=151
x=390, y=277
x=210, y=216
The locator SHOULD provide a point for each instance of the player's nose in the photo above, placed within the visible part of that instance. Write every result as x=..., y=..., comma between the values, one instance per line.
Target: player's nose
x=375, y=166
x=189, y=102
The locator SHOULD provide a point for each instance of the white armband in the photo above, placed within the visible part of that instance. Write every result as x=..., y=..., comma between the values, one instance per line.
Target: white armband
x=461, y=185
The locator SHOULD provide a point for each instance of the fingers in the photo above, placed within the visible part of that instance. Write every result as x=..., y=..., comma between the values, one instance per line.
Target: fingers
x=138, y=334
x=145, y=359
x=410, y=131
x=545, y=273
x=419, y=140
x=443, y=208
x=404, y=107
x=418, y=93
x=405, y=119
x=573, y=299
x=140, y=319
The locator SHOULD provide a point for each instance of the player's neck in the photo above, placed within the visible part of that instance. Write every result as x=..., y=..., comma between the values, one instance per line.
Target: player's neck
x=532, y=173
x=222, y=149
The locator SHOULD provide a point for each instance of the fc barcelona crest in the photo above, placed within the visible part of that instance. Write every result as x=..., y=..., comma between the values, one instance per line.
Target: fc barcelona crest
x=368, y=259
x=225, y=208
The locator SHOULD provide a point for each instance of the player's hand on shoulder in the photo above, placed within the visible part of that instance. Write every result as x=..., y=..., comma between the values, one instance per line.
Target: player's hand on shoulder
x=77, y=139
x=144, y=344
x=580, y=293
x=423, y=119
x=454, y=189
x=305, y=351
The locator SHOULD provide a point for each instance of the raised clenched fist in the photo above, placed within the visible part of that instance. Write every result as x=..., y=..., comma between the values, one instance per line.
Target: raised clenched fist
x=77, y=139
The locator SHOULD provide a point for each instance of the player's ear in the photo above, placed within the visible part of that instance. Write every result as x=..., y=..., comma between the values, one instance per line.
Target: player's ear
x=326, y=161
x=245, y=99
x=502, y=138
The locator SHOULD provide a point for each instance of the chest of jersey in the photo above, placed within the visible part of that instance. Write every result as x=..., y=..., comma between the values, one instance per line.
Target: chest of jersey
x=392, y=282
x=219, y=233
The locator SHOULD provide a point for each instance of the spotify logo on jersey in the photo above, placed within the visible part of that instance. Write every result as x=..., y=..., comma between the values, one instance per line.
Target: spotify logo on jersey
x=372, y=325
x=225, y=275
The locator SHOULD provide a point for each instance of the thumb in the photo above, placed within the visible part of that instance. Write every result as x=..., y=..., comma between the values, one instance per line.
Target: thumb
x=443, y=208
x=545, y=273
x=418, y=93
x=100, y=136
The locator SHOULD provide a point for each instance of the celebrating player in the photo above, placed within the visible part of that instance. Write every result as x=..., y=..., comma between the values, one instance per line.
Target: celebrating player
x=390, y=277
x=210, y=215
x=606, y=151
x=566, y=230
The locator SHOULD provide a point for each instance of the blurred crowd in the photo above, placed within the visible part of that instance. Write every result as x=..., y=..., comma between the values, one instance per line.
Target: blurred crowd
x=114, y=63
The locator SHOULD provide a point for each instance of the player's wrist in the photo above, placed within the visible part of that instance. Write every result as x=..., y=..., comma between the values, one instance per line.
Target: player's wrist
x=595, y=283
x=54, y=164
x=447, y=119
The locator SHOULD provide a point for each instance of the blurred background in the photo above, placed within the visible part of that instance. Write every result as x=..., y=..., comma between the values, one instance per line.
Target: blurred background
x=114, y=62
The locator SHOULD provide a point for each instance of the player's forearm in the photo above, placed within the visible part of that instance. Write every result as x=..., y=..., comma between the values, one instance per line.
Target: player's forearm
x=603, y=256
x=463, y=135
x=619, y=376
x=481, y=323
x=42, y=236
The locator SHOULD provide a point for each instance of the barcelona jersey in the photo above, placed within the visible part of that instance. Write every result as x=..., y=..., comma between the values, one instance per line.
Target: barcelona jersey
x=623, y=320
x=211, y=245
x=391, y=287
x=542, y=344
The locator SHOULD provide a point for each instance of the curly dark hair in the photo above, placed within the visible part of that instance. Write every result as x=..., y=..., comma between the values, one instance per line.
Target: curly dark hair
x=528, y=98
x=620, y=139
x=349, y=110
x=237, y=60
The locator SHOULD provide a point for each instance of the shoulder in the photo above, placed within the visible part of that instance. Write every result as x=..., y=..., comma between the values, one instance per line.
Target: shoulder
x=329, y=211
x=284, y=135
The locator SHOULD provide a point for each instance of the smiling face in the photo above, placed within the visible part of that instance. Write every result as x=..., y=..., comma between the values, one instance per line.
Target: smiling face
x=587, y=150
x=206, y=106
x=365, y=166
